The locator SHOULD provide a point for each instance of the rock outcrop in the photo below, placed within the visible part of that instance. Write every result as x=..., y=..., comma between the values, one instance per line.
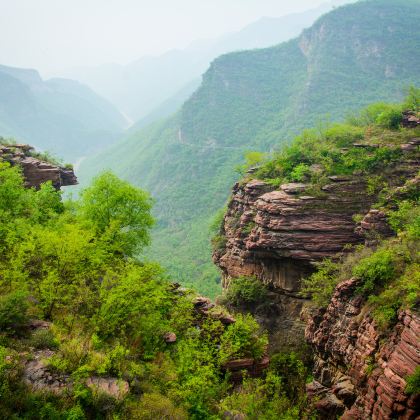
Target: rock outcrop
x=39, y=377
x=360, y=372
x=35, y=170
x=277, y=234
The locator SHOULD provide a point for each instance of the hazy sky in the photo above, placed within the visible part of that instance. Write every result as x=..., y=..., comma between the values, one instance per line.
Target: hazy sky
x=55, y=34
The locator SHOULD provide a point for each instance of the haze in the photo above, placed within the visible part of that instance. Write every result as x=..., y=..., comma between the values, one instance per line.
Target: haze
x=51, y=35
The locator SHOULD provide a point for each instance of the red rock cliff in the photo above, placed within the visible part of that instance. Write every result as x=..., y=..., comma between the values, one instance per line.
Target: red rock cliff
x=35, y=170
x=359, y=371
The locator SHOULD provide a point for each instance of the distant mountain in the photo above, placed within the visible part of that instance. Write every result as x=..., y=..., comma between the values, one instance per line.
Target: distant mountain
x=138, y=88
x=257, y=100
x=58, y=115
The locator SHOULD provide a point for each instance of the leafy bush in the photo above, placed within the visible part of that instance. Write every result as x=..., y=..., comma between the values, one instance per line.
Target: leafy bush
x=321, y=284
x=252, y=160
x=290, y=368
x=119, y=212
x=43, y=339
x=245, y=290
x=376, y=270
x=407, y=219
x=390, y=118
x=300, y=172
x=219, y=242
x=412, y=100
x=242, y=339
x=413, y=382
x=154, y=406
x=13, y=311
x=402, y=293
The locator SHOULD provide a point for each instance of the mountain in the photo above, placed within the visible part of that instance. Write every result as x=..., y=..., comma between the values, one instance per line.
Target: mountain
x=139, y=87
x=57, y=115
x=258, y=100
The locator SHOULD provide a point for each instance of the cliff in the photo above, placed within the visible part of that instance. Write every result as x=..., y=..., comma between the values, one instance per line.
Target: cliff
x=279, y=234
x=36, y=170
x=365, y=341
x=360, y=372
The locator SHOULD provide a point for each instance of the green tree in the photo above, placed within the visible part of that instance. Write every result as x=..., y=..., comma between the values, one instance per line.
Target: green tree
x=119, y=212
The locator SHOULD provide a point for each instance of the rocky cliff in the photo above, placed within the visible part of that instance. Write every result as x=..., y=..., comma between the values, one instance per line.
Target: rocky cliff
x=277, y=234
x=35, y=169
x=360, y=372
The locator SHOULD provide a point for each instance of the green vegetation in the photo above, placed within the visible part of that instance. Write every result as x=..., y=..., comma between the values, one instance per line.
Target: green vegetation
x=259, y=100
x=269, y=399
x=74, y=264
x=244, y=290
x=413, y=382
x=388, y=275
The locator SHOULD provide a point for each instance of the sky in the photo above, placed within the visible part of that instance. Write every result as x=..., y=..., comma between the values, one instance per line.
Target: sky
x=50, y=35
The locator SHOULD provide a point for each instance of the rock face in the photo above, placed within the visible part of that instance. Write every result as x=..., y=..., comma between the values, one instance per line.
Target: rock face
x=36, y=171
x=276, y=234
x=39, y=377
x=359, y=371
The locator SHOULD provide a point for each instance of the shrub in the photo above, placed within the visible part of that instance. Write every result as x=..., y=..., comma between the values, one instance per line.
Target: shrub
x=390, y=118
x=403, y=293
x=219, y=242
x=242, y=339
x=300, y=172
x=413, y=382
x=375, y=270
x=248, y=290
x=43, y=339
x=321, y=284
x=406, y=218
x=293, y=372
x=154, y=406
x=412, y=100
x=13, y=311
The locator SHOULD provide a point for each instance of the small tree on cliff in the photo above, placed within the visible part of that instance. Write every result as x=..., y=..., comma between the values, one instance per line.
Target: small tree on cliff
x=118, y=212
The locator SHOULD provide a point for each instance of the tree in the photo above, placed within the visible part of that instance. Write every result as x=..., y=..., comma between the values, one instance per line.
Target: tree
x=119, y=212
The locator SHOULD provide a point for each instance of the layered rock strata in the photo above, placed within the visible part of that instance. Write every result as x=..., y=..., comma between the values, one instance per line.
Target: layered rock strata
x=277, y=234
x=35, y=170
x=361, y=372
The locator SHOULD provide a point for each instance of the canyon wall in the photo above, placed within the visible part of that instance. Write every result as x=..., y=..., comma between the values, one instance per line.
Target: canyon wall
x=360, y=371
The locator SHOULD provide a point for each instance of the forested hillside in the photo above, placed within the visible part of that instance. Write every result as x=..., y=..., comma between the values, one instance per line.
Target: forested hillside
x=257, y=100
x=140, y=87
x=58, y=115
x=88, y=330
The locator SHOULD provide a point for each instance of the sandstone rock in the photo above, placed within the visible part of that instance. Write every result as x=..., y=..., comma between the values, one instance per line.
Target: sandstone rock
x=39, y=378
x=36, y=171
x=330, y=407
x=169, y=337
x=410, y=120
x=39, y=324
x=115, y=388
x=346, y=342
x=252, y=367
x=293, y=188
x=374, y=227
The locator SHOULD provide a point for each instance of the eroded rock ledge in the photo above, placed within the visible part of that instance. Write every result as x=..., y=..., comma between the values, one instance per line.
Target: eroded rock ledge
x=277, y=234
x=361, y=372
x=35, y=170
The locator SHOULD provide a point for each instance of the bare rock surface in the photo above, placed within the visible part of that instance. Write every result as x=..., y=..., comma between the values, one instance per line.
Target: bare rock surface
x=35, y=170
